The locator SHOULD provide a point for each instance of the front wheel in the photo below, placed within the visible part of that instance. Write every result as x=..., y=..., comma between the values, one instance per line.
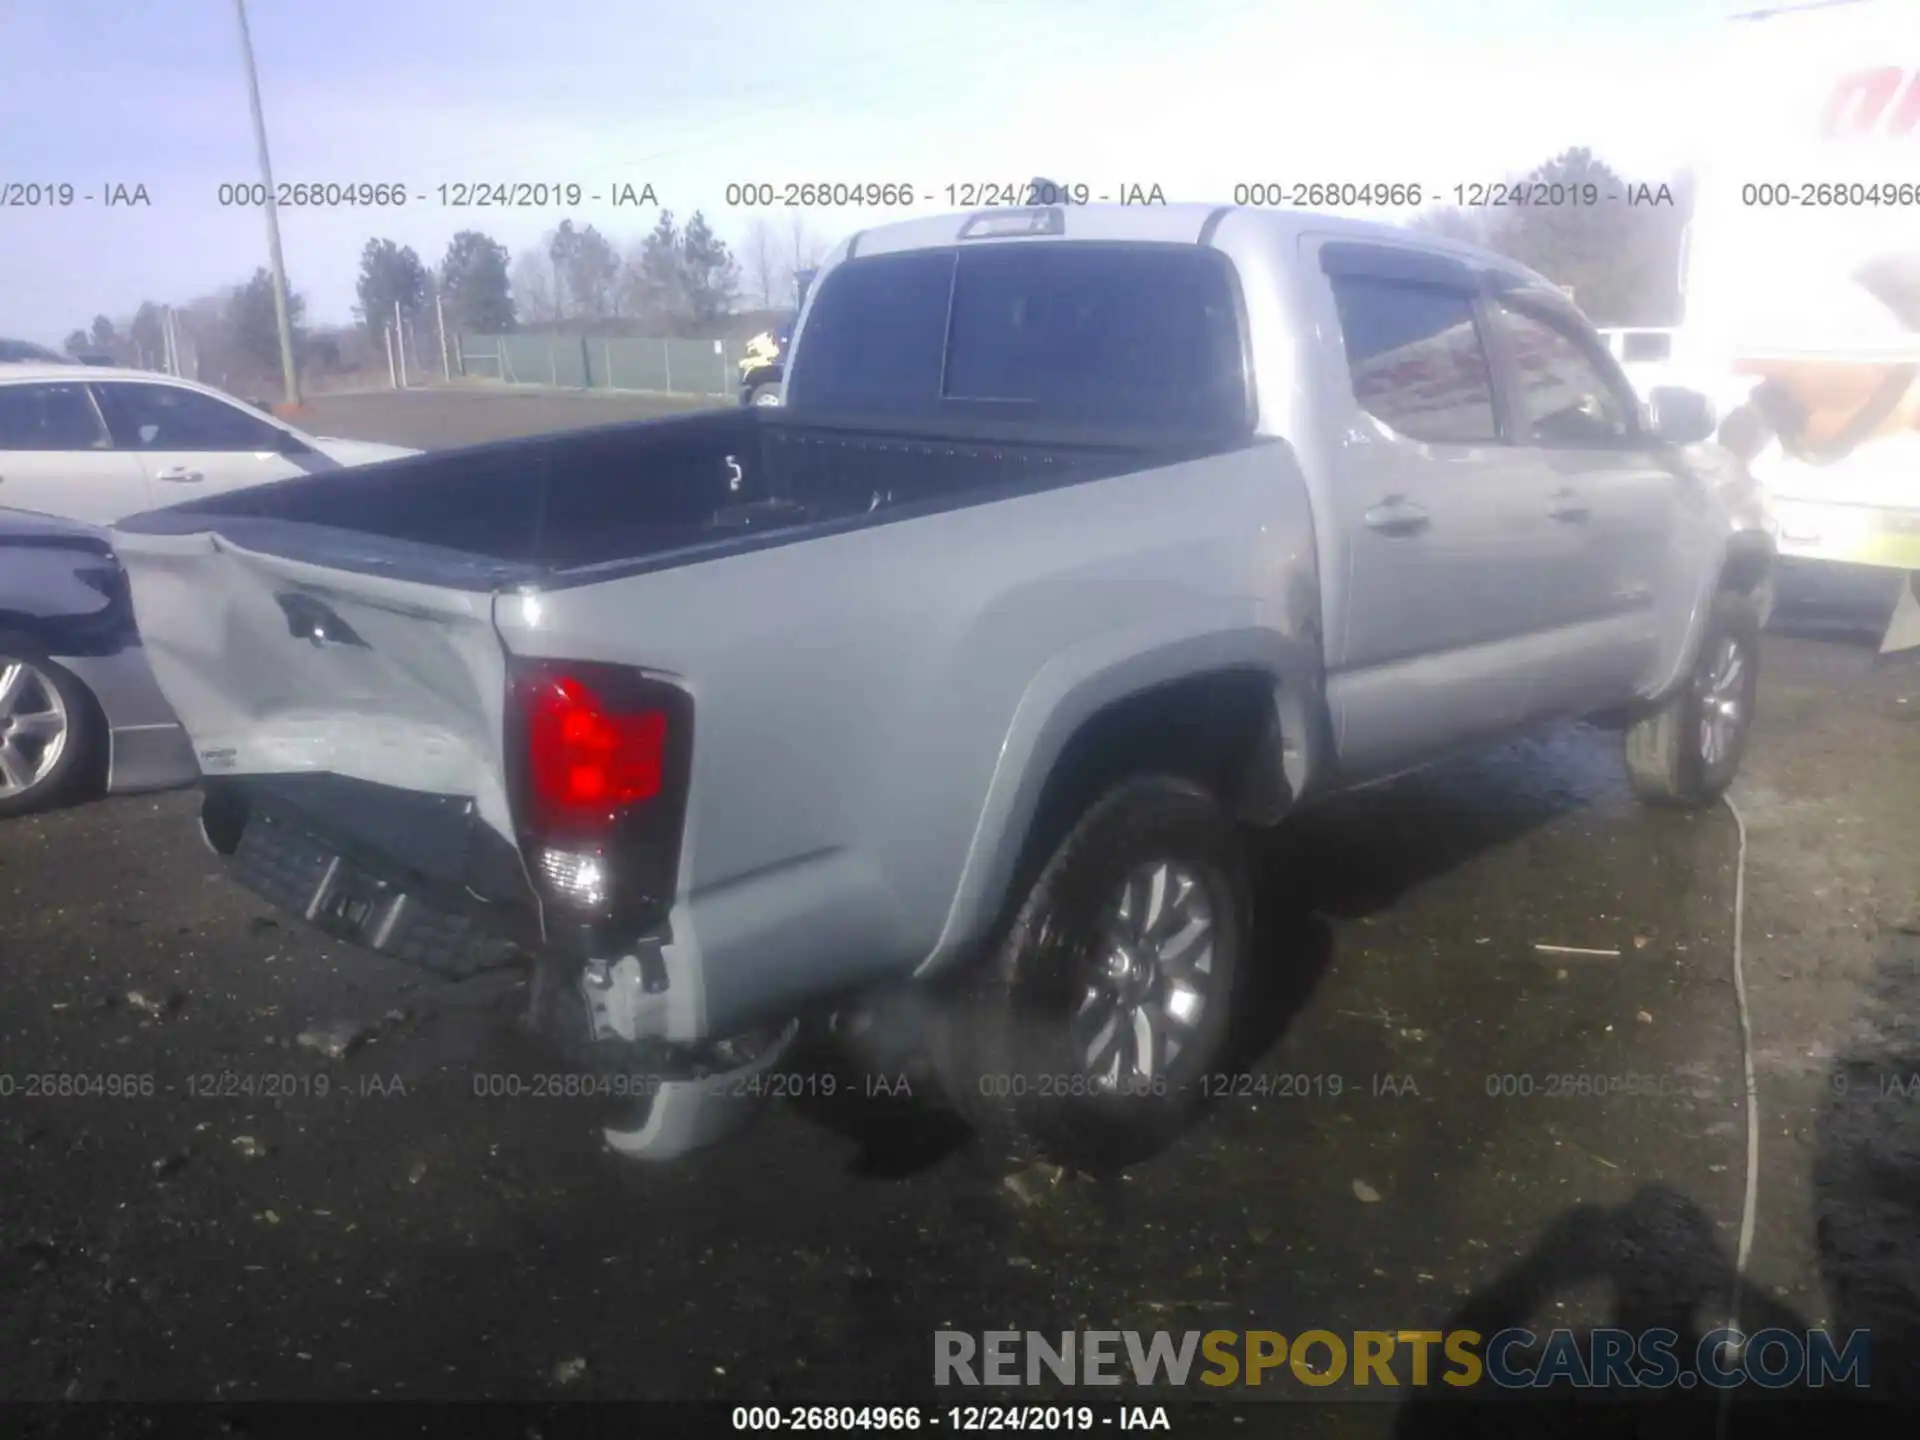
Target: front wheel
x=1687, y=752
x=1091, y=1031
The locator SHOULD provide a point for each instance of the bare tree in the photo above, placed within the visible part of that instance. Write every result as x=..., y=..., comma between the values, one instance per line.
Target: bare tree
x=533, y=288
x=1453, y=223
x=805, y=251
x=761, y=259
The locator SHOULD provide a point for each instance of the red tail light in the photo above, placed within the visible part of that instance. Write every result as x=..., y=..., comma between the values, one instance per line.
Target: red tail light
x=586, y=760
x=599, y=760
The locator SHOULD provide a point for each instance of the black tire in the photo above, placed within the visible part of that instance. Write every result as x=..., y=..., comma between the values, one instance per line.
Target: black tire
x=756, y=395
x=1007, y=1050
x=46, y=687
x=1668, y=759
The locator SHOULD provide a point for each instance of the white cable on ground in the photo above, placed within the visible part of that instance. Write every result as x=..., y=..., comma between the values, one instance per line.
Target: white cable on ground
x=1750, y=1205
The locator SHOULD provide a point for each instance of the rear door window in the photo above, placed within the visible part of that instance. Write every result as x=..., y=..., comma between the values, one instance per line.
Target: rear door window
x=1416, y=359
x=50, y=417
x=1115, y=336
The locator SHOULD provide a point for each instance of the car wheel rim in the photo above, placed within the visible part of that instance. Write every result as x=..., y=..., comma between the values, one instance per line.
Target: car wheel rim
x=767, y=397
x=34, y=727
x=1723, y=700
x=1148, y=977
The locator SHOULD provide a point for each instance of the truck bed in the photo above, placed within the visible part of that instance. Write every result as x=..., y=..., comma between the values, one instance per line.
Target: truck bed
x=645, y=494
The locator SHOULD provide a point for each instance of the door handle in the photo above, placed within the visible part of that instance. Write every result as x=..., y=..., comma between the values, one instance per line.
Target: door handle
x=1565, y=505
x=1396, y=515
x=180, y=475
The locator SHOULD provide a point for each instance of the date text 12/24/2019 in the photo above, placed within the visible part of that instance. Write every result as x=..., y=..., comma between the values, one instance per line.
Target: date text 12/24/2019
x=896, y=1419
x=971, y=195
x=459, y=195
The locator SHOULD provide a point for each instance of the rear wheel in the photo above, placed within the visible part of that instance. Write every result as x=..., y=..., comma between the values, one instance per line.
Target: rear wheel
x=46, y=730
x=767, y=394
x=1090, y=1032
x=1687, y=752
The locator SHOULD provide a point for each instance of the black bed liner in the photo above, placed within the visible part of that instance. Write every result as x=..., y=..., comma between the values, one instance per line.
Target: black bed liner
x=578, y=506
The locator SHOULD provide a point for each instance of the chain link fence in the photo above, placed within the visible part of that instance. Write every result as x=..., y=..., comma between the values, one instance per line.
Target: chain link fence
x=575, y=362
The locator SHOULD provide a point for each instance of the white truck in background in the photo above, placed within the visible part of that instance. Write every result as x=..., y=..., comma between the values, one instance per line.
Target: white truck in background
x=1801, y=286
x=1645, y=355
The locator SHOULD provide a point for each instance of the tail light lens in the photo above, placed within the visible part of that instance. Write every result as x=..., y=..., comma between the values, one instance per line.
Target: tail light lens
x=587, y=761
x=600, y=756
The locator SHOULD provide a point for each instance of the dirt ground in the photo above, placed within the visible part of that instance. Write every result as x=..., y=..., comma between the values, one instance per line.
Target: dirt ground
x=1416, y=1148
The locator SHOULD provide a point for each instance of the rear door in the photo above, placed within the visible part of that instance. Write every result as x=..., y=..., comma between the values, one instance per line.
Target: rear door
x=56, y=456
x=1448, y=548
x=190, y=444
x=1613, y=495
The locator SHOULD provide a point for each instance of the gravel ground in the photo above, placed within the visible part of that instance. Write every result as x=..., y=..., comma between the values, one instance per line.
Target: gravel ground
x=1410, y=1151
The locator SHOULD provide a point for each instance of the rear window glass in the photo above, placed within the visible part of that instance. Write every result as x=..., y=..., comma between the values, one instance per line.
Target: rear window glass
x=1075, y=334
x=876, y=335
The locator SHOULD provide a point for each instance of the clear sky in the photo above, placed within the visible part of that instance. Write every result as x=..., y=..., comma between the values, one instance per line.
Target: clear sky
x=1192, y=95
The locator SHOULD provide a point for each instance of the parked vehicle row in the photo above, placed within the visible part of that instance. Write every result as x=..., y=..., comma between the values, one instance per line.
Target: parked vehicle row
x=1083, y=541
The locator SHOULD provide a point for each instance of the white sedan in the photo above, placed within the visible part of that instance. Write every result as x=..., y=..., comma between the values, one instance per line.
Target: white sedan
x=95, y=444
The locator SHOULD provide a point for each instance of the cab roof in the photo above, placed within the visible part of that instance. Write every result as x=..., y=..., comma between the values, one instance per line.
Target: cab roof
x=1174, y=224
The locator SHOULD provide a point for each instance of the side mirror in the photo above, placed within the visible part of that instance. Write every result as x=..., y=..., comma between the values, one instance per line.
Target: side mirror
x=1680, y=416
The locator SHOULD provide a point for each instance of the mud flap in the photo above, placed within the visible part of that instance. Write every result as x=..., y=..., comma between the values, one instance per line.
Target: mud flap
x=688, y=1115
x=1903, y=629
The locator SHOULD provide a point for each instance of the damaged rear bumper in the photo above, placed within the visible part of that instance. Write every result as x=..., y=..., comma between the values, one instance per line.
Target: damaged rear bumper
x=421, y=879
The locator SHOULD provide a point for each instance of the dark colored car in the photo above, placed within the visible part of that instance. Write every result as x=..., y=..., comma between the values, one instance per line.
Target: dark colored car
x=77, y=701
x=25, y=352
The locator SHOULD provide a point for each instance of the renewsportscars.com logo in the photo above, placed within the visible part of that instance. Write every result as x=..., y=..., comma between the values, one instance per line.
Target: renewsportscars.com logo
x=1380, y=1360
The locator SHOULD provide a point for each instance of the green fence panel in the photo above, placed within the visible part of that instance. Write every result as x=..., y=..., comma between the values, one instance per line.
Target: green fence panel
x=637, y=365
x=660, y=366
x=700, y=367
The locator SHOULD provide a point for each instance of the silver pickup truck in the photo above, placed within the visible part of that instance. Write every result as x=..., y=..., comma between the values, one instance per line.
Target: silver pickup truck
x=1084, y=540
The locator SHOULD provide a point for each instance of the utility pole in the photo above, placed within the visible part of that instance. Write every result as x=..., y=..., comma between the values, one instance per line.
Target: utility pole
x=400, y=343
x=287, y=369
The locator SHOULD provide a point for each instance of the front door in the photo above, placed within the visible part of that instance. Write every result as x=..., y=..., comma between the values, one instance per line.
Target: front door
x=1614, y=497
